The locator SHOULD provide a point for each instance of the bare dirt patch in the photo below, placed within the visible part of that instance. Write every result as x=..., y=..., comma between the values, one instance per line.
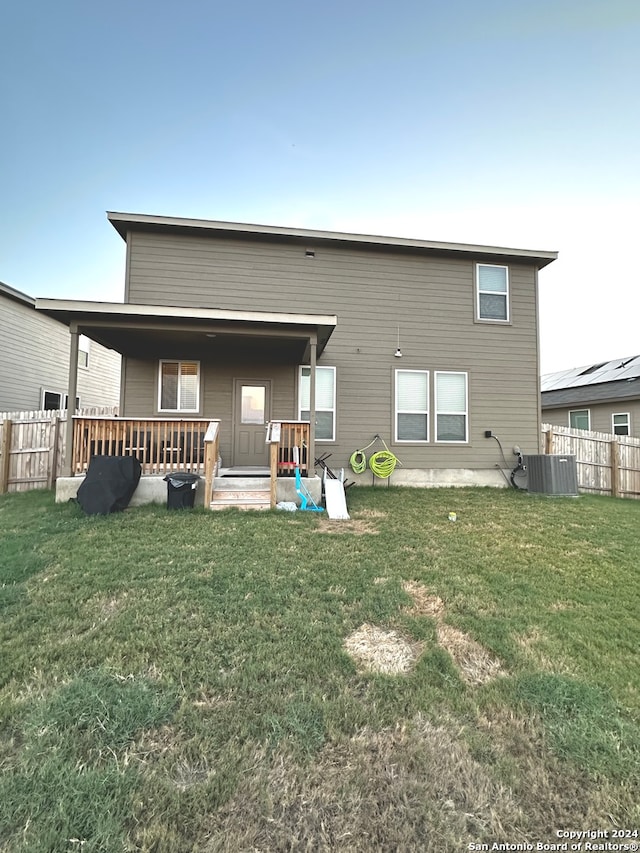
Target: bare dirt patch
x=377, y=650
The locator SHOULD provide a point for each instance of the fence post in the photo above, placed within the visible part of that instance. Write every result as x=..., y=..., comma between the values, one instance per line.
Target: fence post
x=615, y=468
x=5, y=457
x=548, y=441
x=54, y=437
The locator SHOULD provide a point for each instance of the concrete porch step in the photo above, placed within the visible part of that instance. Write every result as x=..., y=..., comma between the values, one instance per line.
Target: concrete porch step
x=248, y=484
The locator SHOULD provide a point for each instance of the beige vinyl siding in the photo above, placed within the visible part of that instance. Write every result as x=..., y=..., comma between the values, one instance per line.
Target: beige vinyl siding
x=34, y=355
x=99, y=383
x=216, y=392
x=372, y=292
x=601, y=420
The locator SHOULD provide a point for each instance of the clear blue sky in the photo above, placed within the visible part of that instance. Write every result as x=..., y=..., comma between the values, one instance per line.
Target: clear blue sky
x=489, y=121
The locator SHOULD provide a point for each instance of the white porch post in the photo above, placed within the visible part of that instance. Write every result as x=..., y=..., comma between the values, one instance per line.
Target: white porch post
x=72, y=392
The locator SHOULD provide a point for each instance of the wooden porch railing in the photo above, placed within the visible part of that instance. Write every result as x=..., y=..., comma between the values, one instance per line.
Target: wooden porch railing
x=293, y=434
x=288, y=449
x=160, y=445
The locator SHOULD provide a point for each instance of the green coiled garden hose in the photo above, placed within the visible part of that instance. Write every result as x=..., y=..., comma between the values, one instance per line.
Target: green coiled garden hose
x=382, y=463
x=358, y=462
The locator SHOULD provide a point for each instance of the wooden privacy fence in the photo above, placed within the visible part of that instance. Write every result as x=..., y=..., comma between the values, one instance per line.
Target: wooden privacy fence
x=607, y=464
x=32, y=448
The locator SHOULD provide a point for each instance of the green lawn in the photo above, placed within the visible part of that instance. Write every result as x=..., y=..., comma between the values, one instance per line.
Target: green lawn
x=179, y=681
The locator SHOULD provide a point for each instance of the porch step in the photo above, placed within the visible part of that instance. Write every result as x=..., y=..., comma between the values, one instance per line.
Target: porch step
x=241, y=492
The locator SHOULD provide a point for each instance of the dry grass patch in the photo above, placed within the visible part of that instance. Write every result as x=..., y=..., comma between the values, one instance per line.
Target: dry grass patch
x=474, y=662
x=552, y=792
x=186, y=774
x=359, y=527
x=530, y=644
x=413, y=786
x=376, y=650
x=424, y=603
x=369, y=513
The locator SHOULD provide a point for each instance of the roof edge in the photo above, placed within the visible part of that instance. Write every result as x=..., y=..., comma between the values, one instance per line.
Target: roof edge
x=79, y=308
x=123, y=222
x=17, y=295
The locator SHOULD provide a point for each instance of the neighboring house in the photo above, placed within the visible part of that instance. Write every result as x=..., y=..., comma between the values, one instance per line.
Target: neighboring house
x=34, y=360
x=602, y=397
x=428, y=345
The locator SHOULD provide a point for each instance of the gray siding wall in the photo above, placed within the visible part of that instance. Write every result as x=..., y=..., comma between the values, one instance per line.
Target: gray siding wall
x=34, y=354
x=372, y=292
x=601, y=415
x=216, y=393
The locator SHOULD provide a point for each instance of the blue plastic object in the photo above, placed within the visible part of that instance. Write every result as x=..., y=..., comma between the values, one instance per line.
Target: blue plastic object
x=305, y=497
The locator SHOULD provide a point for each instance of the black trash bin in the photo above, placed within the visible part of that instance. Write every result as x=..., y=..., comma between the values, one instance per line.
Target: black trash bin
x=181, y=490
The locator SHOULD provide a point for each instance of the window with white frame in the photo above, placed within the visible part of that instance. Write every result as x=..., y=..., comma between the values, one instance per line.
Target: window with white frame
x=492, y=292
x=451, y=406
x=325, y=400
x=579, y=419
x=621, y=423
x=84, y=347
x=55, y=400
x=179, y=386
x=412, y=405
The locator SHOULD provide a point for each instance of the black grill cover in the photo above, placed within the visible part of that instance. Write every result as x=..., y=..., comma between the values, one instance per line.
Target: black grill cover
x=109, y=484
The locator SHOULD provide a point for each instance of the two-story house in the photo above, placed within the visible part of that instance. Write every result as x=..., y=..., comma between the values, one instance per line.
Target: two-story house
x=428, y=345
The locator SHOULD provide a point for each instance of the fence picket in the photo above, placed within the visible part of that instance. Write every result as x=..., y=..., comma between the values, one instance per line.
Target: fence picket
x=32, y=452
x=32, y=447
x=607, y=464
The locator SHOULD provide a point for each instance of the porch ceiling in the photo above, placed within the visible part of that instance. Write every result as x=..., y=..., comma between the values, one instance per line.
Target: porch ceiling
x=162, y=331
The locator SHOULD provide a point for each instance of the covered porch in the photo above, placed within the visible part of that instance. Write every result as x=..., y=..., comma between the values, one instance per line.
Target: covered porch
x=231, y=355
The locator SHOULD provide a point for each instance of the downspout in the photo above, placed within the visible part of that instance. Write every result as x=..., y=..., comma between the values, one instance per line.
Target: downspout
x=541, y=449
x=313, y=346
x=72, y=393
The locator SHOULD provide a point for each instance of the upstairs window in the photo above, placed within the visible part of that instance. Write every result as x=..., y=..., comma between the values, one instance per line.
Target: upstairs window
x=412, y=405
x=492, y=289
x=179, y=386
x=579, y=419
x=621, y=423
x=325, y=401
x=451, y=407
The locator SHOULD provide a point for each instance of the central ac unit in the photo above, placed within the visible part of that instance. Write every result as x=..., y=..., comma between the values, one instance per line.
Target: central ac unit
x=549, y=474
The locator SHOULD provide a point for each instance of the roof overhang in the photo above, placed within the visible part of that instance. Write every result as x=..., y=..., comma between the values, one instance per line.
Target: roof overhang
x=125, y=222
x=171, y=331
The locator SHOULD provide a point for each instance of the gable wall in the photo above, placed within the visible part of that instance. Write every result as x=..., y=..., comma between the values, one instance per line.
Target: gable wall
x=373, y=293
x=600, y=414
x=34, y=354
